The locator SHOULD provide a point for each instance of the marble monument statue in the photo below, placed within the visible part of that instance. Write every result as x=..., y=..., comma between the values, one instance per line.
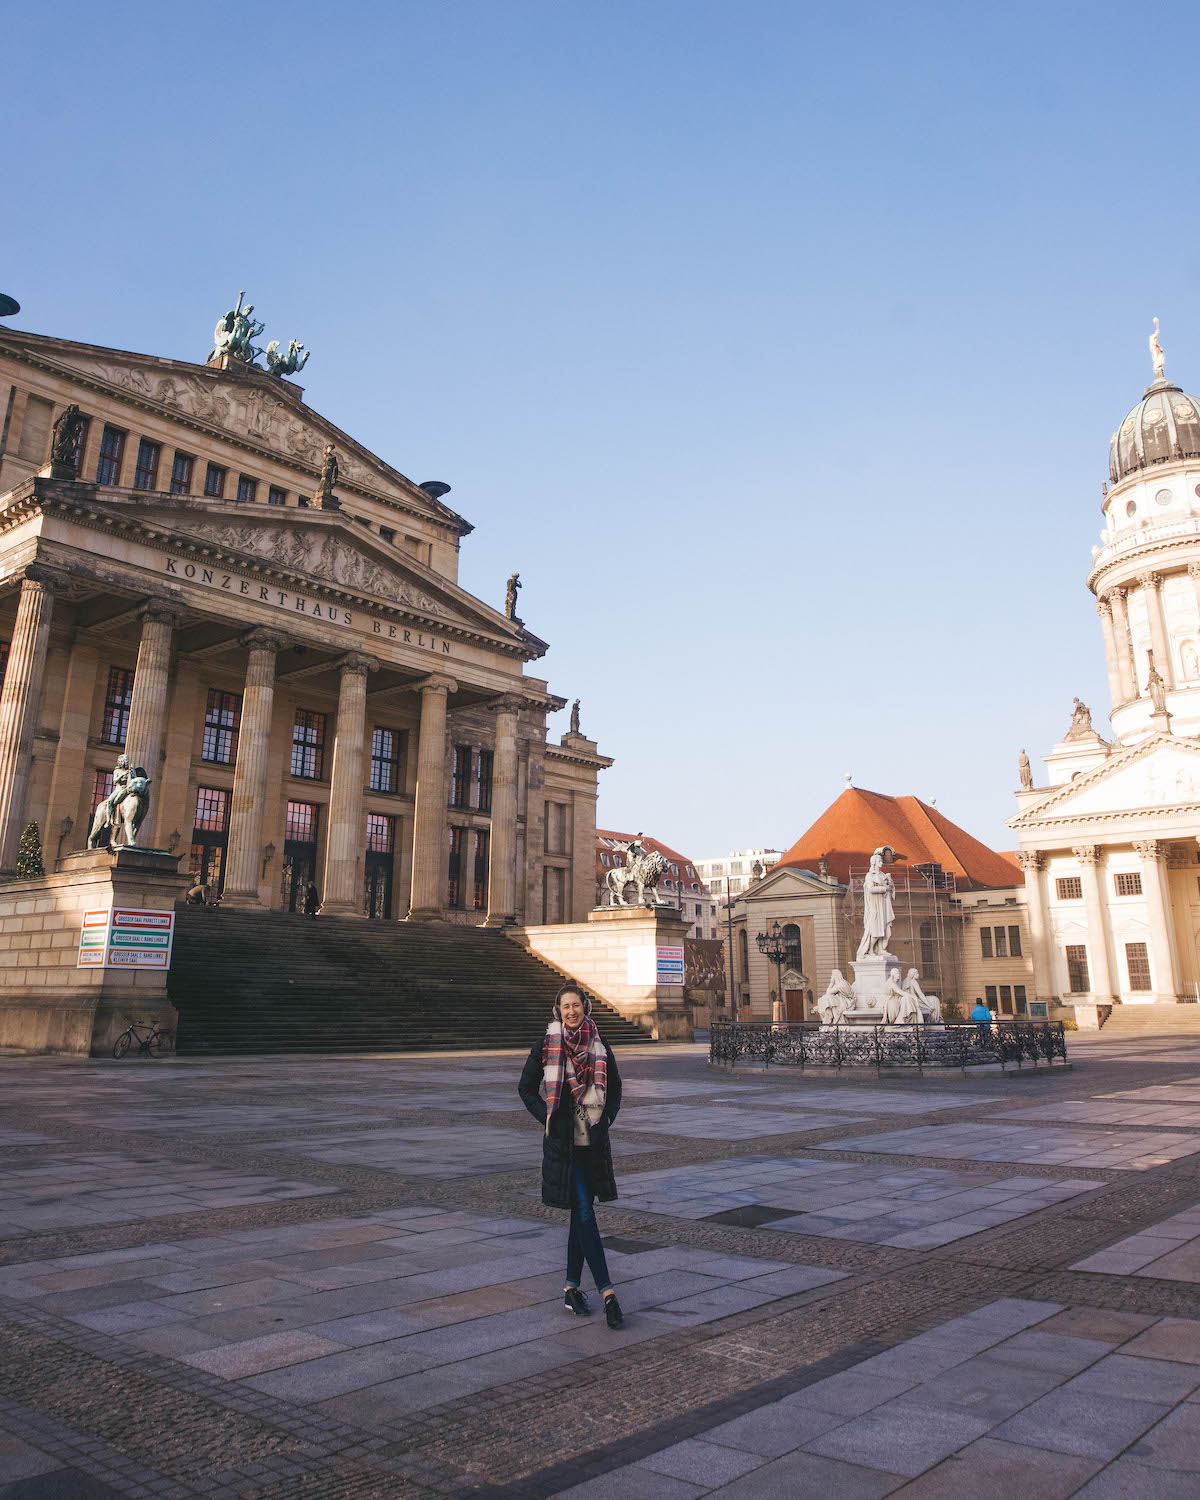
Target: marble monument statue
x=643, y=868
x=837, y=999
x=878, y=913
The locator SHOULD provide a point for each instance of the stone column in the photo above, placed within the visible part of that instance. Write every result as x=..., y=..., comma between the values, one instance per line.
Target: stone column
x=243, y=856
x=1163, y=968
x=1089, y=856
x=1152, y=585
x=341, y=890
x=1035, y=906
x=429, y=819
x=148, y=707
x=20, y=704
x=1116, y=687
x=1124, y=642
x=502, y=902
x=1194, y=575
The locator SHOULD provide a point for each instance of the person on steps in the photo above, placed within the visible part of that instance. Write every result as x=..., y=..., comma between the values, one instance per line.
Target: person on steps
x=571, y=1086
x=312, y=900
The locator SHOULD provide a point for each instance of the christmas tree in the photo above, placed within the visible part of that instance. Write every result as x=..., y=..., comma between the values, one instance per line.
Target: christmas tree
x=29, y=854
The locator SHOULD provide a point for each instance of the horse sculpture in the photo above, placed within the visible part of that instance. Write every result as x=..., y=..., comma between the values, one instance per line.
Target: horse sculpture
x=286, y=364
x=123, y=812
x=642, y=870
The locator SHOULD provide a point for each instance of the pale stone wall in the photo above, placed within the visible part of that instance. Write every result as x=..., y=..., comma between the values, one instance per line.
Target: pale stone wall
x=995, y=908
x=49, y=1004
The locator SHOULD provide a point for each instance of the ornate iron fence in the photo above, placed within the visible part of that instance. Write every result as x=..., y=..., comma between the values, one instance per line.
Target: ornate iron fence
x=1040, y=1043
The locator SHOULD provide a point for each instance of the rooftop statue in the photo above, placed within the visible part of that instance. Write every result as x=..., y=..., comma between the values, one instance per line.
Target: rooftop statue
x=1025, y=771
x=289, y=363
x=1081, y=721
x=68, y=428
x=510, y=597
x=575, y=717
x=329, y=477
x=234, y=335
x=1156, y=354
x=1156, y=687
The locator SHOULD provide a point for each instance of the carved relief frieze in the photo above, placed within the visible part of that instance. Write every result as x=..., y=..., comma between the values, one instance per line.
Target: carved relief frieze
x=330, y=557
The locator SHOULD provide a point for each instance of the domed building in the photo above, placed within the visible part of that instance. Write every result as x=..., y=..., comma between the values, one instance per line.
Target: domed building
x=1109, y=842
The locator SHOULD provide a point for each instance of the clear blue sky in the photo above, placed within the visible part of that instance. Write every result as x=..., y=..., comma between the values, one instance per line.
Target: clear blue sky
x=777, y=345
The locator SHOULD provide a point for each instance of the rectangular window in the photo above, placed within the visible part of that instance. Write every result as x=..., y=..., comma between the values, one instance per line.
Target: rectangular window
x=1070, y=888
x=145, y=475
x=101, y=789
x=385, y=760
x=1006, y=999
x=1019, y=999
x=301, y=500
x=460, y=781
x=300, y=826
x=222, y=720
x=81, y=438
x=247, y=489
x=212, y=809
x=479, y=893
x=308, y=745
x=181, y=475
x=214, y=481
x=1077, y=969
x=387, y=534
x=1138, y=962
x=117, y=698
x=1014, y=942
x=1129, y=885
x=556, y=829
x=276, y=496
x=485, y=781
x=989, y=991
x=1001, y=943
x=112, y=448
x=381, y=833
x=454, y=890
x=985, y=942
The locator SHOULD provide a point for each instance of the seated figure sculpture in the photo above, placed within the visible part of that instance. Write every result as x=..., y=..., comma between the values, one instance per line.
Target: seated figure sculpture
x=837, y=999
x=929, y=1006
x=900, y=1006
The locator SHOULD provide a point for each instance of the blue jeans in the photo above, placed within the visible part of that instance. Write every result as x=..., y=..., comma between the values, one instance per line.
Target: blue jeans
x=583, y=1242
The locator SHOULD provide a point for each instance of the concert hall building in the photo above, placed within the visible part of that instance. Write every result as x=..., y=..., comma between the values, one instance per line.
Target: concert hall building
x=309, y=689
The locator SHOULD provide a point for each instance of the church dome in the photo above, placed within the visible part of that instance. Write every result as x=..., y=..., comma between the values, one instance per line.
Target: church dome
x=1165, y=424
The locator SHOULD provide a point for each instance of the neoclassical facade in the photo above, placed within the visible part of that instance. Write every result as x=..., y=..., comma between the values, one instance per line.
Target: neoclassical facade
x=290, y=658
x=1109, y=842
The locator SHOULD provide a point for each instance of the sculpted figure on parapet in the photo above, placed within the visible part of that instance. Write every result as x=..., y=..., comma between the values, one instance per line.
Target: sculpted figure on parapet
x=68, y=428
x=235, y=333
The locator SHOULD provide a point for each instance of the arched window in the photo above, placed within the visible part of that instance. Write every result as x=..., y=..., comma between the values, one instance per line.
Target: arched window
x=743, y=954
x=791, y=935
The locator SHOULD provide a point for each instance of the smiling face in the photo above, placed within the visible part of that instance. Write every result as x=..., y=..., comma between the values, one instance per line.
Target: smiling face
x=570, y=1008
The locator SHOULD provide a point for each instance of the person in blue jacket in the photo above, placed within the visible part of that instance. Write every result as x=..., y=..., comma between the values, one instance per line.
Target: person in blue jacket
x=982, y=1017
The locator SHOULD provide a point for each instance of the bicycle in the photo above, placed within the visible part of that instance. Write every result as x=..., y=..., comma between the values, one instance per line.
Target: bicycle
x=154, y=1043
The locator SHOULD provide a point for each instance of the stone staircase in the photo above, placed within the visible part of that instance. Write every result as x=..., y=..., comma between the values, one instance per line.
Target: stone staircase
x=249, y=982
x=1154, y=1019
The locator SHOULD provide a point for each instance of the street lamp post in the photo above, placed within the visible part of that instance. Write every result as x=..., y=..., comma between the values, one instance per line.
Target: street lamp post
x=728, y=904
x=778, y=950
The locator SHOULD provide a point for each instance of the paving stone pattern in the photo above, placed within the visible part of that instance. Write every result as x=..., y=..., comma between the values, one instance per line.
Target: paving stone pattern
x=303, y=1277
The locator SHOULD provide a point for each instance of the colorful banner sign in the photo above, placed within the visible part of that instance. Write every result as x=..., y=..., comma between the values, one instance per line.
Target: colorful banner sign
x=669, y=963
x=126, y=938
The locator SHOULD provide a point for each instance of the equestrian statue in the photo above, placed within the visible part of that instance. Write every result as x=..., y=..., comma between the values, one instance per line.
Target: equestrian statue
x=124, y=809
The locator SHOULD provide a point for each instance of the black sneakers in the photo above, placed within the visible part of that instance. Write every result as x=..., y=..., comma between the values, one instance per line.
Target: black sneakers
x=612, y=1312
x=574, y=1301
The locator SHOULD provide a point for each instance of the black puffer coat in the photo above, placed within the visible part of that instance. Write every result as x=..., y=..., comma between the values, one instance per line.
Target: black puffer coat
x=558, y=1143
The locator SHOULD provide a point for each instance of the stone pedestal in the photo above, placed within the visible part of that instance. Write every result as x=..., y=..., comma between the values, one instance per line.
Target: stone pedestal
x=870, y=976
x=48, y=1003
x=615, y=955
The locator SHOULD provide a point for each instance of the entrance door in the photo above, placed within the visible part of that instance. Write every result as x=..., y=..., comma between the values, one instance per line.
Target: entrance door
x=377, y=872
x=209, y=837
x=794, y=1002
x=299, y=853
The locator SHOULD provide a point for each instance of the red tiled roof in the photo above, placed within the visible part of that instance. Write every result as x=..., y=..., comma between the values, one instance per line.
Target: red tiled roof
x=860, y=821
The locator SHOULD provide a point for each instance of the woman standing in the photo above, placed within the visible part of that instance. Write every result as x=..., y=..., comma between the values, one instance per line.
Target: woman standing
x=582, y=1097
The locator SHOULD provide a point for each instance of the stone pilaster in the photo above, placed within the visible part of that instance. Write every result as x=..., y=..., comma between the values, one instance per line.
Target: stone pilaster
x=1099, y=969
x=20, y=703
x=148, y=707
x=503, y=850
x=1152, y=586
x=1111, y=657
x=1164, y=970
x=429, y=820
x=70, y=791
x=1035, y=905
x=1124, y=643
x=243, y=856
x=341, y=891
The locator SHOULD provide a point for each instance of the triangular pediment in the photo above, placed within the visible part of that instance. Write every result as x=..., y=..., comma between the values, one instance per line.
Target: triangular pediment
x=261, y=410
x=323, y=550
x=788, y=880
x=1160, y=774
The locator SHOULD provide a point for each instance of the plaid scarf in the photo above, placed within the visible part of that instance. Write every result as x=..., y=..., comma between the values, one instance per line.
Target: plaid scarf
x=575, y=1057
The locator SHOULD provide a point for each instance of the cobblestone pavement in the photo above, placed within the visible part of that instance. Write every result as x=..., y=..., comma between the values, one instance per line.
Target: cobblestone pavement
x=334, y=1277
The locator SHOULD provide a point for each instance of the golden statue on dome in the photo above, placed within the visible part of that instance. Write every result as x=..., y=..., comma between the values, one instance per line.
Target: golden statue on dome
x=1156, y=353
